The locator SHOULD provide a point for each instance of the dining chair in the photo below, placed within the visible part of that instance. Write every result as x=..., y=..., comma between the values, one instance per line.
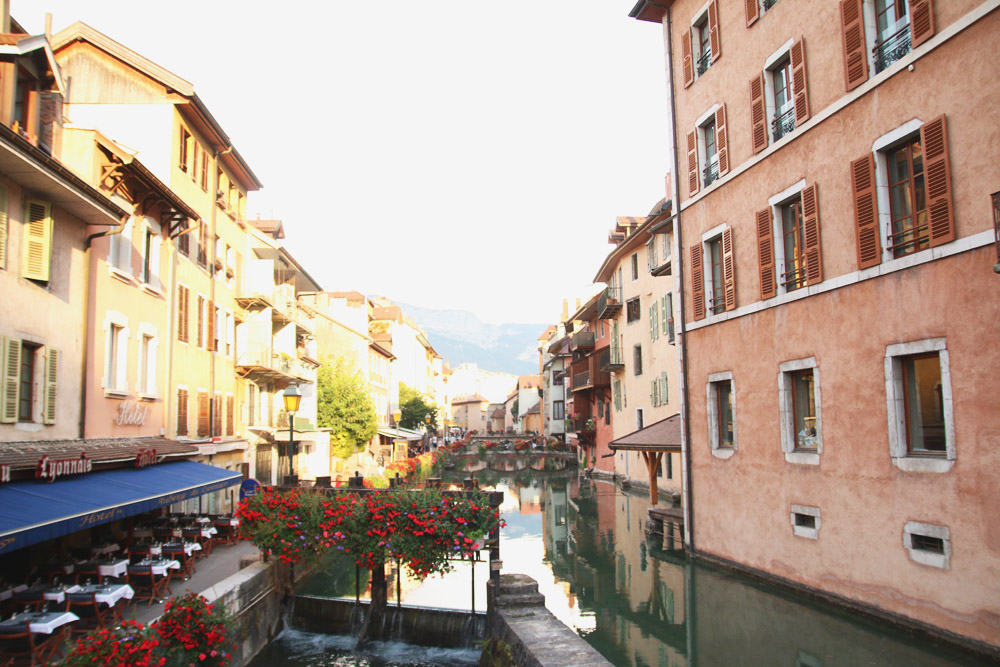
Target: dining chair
x=88, y=570
x=176, y=552
x=31, y=599
x=142, y=579
x=226, y=534
x=138, y=552
x=20, y=646
x=86, y=606
x=163, y=533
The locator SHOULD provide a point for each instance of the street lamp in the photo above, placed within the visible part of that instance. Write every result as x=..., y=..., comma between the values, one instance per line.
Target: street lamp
x=292, y=397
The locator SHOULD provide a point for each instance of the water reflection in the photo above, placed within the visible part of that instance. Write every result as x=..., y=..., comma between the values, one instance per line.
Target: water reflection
x=640, y=604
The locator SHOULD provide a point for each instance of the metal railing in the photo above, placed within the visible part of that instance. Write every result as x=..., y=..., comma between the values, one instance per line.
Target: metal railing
x=610, y=302
x=710, y=173
x=783, y=124
x=704, y=62
x=892, y=48
x=768, y=4
x=581, y=380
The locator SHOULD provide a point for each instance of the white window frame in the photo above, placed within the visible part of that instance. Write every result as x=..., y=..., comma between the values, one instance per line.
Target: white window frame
x=145, y=385
x=922, y=556
x=651, y=258
x=120, y=252
x=706, y=263
x=901, y=458
x=700, y=16
x=786, y=416
x=634, y=265
x=805, y=531
x=701, y=131
x=713, y=415
x=880, y=147
x=115, y=378
x=776, y=202
x=151, y=264
x=872, y=36
x=770, y=64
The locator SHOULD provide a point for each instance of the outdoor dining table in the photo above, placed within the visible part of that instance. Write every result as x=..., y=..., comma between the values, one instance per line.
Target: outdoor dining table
x=160, y=567
x=56, y=593
x=113, y=567
x=8, y=592
x=44, y=622
x=109, y=594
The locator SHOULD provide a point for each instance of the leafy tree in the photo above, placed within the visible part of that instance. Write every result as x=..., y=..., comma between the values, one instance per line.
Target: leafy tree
x=414, y=406
x=345, y=406
x=513, y=410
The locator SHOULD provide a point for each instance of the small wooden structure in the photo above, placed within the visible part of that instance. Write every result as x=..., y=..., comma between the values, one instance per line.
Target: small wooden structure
x=652, y=442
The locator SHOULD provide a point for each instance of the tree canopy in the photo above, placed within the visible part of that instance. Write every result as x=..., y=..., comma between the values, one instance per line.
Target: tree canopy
x=414, y=406
x=345, y=406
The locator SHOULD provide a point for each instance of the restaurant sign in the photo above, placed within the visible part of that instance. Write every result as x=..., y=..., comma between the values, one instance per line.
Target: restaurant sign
x=4, y=472
x=145, y=457
x=51, y=468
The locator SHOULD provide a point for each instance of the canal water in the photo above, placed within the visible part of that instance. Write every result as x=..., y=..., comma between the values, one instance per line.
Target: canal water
x=636, y=603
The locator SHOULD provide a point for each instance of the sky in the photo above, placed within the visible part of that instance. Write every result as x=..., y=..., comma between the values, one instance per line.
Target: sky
x=445, y=153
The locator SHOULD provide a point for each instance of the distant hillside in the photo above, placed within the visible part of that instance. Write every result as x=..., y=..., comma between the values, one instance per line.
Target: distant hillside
x=459, y=337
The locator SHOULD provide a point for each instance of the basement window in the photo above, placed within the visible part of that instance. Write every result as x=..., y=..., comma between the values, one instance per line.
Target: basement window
x=805, y=521
x=928, y=544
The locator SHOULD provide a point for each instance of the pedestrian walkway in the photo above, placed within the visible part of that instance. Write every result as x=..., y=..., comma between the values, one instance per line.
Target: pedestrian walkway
x=223, y=563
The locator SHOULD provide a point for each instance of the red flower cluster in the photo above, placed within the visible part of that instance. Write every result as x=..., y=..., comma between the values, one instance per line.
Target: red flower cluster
x=190, y=626
x=284, y=524
x=131, y=645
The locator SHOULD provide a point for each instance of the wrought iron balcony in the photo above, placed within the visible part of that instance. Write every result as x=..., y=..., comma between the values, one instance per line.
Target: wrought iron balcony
x=710, y=173
x=892, y=48
x=783, y=124
x=609, y=303
x=704, y=62
x=769, y=3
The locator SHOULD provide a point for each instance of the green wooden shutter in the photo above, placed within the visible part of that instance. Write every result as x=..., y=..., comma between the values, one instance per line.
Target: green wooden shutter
x=664, y=389
x=37, y=240
x=50, y=390
x=11, y=348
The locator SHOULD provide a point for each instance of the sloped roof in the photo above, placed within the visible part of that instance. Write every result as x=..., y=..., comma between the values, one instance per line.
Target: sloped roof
x=475, y=398
x=273, y=227
x=24, y=454
x=662, y=436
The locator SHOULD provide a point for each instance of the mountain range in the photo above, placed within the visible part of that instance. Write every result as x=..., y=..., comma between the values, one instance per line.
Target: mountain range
x=460, y=337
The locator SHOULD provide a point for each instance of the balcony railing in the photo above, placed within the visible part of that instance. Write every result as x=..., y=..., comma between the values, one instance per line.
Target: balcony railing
x=892, y=48
x=783, y=124
x=704, y=62
x=768, y=4
x=582, y=340
x=581, y=381
x=612, y=359
x=609, y=303
x=710, y=173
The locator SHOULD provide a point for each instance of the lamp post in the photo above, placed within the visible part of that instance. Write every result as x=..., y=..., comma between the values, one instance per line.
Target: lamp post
x=292, y=397
x=396, y=416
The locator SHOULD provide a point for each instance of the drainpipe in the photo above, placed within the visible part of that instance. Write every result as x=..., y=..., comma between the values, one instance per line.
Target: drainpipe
x=678, y=253
x=211, y=290
x=91, y=284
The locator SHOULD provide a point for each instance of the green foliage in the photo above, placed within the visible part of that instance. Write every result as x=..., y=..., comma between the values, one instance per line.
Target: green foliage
x=414, y=406
x=345, y=406
x=513, y=410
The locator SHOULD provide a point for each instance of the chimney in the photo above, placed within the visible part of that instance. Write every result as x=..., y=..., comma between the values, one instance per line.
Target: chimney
x=48, y=26
x=577, y=303
x=565, y=312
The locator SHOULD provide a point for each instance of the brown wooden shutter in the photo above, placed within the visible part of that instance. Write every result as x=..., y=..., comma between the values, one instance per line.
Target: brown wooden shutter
x=937, y=174
x=217, y=415
x=865, y=211
x=921, y=21
x=210, y=336
x=182, y=412
x=182, y=328
x=855, y=51
x=697, y=282
x=728, y=268
x=810, y=223
x=11, y=348
x=758, y=113
x=693, y=181
x=687, y=59
x=722, y=140
x=201, y=320
x=713, y=31
x=800, y=88
x=765, y=254
x=202, y=414
x=230, y=414
x=753, y=11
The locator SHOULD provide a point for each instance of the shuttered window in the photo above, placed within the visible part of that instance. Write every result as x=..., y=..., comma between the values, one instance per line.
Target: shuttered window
x=810, y=223
x=934, y=137
x=182, y=412
x=3, y=226
x=865, y=211
x=217, y=415
x=752, y=11
x=687, y=58
x=800, y=86
x=728, y=269
x=715, y=42
x=697, y=282
x=50, y=388
x=722, y=140
x=921, y=21
x=203, y=416
x=758, y=114
x=765, y=254
x=230, y=414
x=692, y=161
x=183, y=303
x=654, y=321
x=201, y=321
x=212, y=314
x=37, y=240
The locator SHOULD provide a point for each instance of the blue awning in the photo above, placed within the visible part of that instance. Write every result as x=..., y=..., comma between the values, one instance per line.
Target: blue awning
x=33, y=511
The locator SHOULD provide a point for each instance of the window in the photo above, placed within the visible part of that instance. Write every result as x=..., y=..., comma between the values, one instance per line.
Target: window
x=907, y=198
x=779, y=96
x=928, y=544
x=230, y=414
x=120, y=250
x=658, y=391
x=805, y=521
x=203, y=414
x=150, y=253
x=217, y=328
x=185, y=147
x=634, y=262
x=893, y=26
x=638, y=418
x=700, y=46
x=654, y=321
x=116, y=353
x=183, y=308
x=721, y=414
x=707, y=146
x=203, y=242
x=37, y=240
x=718, y=282
x=204, y=170
x=903, y=193
x=892, y=33
x=793, y=277
x=784, y=110
x=706, y=134
x=651, y=260
x=799, y=408
x=632, y=310
x=182, y=411
x=617, y=391
x=918, y=382
x=26, y=394
x=607, y=413
x=637, y=359
x=757, y=7
x=184, y=244
x=147, y=365
x=558, y=410
x=667, y=312
x=792, y=218
x=252, y=391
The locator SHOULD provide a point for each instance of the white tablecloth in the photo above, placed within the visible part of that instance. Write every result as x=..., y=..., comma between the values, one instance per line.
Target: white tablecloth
x=109, y=595
x=160, y=567
x=45, y=623
x=58, y=594
x=113, y=569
